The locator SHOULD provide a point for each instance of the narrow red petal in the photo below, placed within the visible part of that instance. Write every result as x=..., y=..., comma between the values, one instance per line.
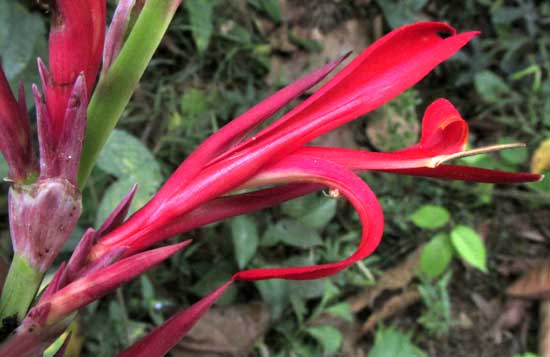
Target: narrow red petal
x=468, y=174
x=241, y=126
x=212, y=211
x=384, y=70
x=118, y=215
x=95, y=285
x=165, y=337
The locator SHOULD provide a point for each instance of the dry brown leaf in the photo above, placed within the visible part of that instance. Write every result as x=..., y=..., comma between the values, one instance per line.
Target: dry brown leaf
x=535, y=284
x=396, y=278
x=394, y=305
x=225, y=331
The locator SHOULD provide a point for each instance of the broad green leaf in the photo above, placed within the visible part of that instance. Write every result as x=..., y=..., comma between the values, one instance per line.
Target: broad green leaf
x=513, y=156
x=430, y=217
x=306, y=289
x=127, y=158
x=291, y=232
x=341, y=310
x=313, y=211
x=275, y=293
x=244, y=232
x=392, y=342
x=469, y=246
x=116, y=192
x=20, y=35
x=329, y=337
x=436, y=256
x=491, y=87
x=200, y=17
x=124, y=155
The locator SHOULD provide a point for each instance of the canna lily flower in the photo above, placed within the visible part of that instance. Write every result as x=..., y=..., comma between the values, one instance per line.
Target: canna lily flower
x=199, y=192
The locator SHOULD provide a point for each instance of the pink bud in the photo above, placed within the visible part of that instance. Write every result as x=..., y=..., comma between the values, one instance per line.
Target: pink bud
x=42, y=216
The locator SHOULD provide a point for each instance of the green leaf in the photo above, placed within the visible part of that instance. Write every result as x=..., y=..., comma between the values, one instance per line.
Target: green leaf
x=491, y=87
x=128, y=159
x=430, y=217
x=20, y=35
x=313, y=211
x=513, y=156
x=124, y=155
x=341, y=310
x=114, y=89
x=392, y=342
x=116, y=192
x=293, y=233
x=541, y=186
x=269, y=7
x=275, y=293
x=193, y=103
x=403, y=12
x=219, y=274
x=4, y=168
x=469, y=246
x=200, y=17
x=329, y=337
x=436, y=256
x=244, y=232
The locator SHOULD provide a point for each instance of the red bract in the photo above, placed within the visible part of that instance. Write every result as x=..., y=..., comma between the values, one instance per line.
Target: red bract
x=76, y=45
x=15, y=132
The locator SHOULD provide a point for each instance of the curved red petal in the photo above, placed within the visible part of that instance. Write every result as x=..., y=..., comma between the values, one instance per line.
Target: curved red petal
x=301, y=168
x=384, y=70
x=444, y=132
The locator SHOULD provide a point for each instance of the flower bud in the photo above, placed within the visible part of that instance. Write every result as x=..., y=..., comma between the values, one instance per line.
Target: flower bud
x=42, y=216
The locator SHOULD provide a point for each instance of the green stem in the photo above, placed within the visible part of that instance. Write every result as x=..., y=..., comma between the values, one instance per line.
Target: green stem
x=20, y=287
x=115, y=88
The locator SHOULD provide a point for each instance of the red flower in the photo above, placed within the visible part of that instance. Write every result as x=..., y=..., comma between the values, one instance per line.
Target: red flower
x=230, y=160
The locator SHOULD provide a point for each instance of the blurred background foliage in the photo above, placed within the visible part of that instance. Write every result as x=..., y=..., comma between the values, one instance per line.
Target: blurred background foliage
x=437, y=284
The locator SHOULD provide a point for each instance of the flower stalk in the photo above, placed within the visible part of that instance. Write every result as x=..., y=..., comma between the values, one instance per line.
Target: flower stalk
x=117, y=84
x=19, y=290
